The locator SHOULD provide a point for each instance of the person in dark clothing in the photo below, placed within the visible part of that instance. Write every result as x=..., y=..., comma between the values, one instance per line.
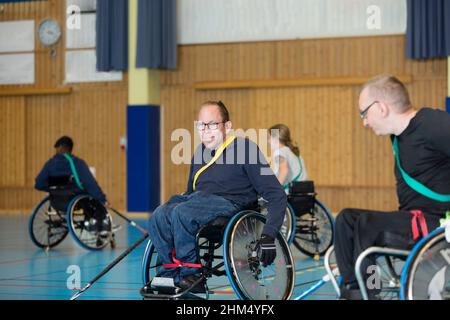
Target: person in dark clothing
x=82, y=180
x=422, y=139
x=231, y=182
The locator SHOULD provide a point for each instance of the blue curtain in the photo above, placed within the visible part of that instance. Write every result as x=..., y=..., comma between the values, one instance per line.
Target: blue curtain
x=428, y=29
x=112, y=35
x=156, y=39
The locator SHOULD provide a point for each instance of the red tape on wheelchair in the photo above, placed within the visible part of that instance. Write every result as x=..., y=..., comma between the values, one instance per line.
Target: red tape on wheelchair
x=177, y=263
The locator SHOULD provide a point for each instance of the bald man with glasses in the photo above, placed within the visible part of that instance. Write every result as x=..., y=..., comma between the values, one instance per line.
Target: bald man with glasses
x=421, y=142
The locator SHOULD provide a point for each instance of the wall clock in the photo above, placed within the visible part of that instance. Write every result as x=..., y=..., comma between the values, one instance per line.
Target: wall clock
x=49, y=32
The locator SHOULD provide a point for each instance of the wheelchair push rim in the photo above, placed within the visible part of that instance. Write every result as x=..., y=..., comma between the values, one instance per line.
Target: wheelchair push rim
x=314, y=232
x=83, y=225
x=288, y=226
x=150, y=263
x=427, y=271
x=247, y=276
x=47, y=226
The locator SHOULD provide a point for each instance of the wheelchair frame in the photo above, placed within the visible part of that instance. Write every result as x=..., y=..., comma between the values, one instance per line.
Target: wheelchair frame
x=66, y=223
x=411, y=257
x=209, y=269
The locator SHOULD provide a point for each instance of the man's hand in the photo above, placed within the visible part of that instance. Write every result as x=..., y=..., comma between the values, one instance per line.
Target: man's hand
x=267, y=250
x=107, y=205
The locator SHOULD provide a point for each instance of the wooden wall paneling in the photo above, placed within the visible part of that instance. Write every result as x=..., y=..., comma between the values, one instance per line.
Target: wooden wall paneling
x=350, y=165
x=93, y=114
x=12, y=142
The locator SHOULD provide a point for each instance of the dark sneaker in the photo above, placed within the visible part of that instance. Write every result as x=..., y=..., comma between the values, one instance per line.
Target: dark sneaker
x=188, y=281
x=350, y=291
x=351, y=294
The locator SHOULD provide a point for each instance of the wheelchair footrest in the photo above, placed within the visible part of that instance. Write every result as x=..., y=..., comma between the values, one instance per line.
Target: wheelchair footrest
x=168, y=293
x=159, y=282
x=165, y=289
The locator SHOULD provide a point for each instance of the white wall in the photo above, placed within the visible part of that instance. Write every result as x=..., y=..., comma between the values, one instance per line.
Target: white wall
x=213, y=21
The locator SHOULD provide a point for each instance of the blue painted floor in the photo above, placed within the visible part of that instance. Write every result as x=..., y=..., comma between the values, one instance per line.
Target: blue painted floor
x=30, y=273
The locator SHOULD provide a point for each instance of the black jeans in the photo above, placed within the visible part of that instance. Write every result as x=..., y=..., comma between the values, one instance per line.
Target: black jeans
x=358, y=229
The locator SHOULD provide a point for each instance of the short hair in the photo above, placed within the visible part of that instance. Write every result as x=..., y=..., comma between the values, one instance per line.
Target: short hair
x=222, y=109
x=389, y=89
x=65, y=142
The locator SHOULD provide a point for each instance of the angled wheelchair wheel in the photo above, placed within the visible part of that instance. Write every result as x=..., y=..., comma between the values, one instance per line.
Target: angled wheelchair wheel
x=289, y=225
x=150, y=263
x=249, y=279
x=47, y=226
x=314, y=231
x=388, y=271
x=426, y=275
x=85, y=217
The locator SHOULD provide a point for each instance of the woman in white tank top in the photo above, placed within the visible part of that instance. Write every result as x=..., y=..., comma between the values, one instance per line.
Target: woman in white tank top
x=287, y=164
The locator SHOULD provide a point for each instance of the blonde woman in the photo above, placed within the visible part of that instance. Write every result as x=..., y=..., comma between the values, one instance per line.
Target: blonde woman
x=287, y=163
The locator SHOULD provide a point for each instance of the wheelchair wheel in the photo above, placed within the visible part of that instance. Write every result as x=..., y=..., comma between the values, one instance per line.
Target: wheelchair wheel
x=388, y=270
x=150, y=263
x=47, y=226
x=426, y=275
x=288, y=226
x=314, y=231
x=84, y=216
x=249, y=279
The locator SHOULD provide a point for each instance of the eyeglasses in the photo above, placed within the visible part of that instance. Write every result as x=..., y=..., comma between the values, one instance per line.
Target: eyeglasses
x=363, y=114
x=211, y=126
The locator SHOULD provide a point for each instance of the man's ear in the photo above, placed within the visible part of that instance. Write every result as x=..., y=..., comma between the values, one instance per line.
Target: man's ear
x=384, y=108
x=228, y=126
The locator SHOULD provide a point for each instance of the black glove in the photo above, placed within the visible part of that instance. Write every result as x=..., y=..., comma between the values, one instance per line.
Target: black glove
x=267, y=250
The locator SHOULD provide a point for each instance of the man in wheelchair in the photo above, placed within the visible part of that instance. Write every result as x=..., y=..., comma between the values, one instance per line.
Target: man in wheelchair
x=64, y=176
x=421, y=141
x=226, y=175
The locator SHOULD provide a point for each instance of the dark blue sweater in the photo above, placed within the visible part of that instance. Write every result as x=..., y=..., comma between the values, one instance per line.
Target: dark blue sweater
x=59, y=166
x=239, y=175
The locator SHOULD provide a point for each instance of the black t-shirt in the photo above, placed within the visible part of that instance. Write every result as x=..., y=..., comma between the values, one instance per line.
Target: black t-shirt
x=424, y=149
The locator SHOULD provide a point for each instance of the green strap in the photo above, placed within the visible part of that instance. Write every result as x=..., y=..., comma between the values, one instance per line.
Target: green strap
x=286, y=186
x=416, y=185
x=74, y=171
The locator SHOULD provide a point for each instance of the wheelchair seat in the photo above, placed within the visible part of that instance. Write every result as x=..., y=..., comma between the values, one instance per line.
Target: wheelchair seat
x=302, y=196
x=213, y=231
x=395, y=241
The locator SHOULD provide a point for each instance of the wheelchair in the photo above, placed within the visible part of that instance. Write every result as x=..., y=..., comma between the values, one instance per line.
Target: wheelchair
x=64, y=211
x=422, y=273
x=308, y=223
x=239, y=261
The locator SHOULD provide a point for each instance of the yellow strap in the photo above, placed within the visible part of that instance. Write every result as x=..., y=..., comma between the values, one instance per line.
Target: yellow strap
x=217, y=155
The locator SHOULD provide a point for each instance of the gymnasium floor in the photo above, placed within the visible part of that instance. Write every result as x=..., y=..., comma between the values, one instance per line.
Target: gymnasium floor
x=30, y=273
